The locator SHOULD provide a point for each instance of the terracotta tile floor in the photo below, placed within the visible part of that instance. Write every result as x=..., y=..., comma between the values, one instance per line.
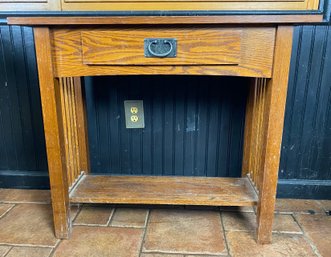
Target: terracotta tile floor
x=301, y=228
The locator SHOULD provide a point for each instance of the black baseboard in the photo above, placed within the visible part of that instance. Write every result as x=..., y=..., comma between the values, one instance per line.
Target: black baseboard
x=287, y=188
x=304, y=189
x=24, y=179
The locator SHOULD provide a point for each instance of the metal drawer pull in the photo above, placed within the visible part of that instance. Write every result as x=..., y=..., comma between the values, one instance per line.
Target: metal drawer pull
x=162, y=47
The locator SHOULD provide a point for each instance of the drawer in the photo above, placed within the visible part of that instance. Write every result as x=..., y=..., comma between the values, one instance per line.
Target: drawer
x=187, y=46
x=232, y=51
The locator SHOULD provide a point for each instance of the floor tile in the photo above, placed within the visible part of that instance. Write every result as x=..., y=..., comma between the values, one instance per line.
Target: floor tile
x=243, y=244
x=298, y=205
x=101, y=242
x=28, y=224
x=322, y=242
x=318, y=229
x=4, y=207
x=285, y=224
x=239, y=221
x=183, y=231
x=24, y=196
x=126, y=217
x=29, y=252
x=237, y=208
x=3, y=250
x=315, y=223
x=93, y=215
x=326, y=204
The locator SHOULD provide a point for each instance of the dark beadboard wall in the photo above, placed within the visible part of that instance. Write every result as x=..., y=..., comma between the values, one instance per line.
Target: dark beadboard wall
x=305, y=167
x=183, y=115
x=194, y=125
x=22, y=145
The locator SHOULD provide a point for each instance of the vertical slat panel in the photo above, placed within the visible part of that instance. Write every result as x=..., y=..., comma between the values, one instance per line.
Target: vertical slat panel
x=74, y=128
x=254, y=132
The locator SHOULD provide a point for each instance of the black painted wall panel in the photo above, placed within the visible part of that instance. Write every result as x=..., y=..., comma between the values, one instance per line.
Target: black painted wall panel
x=306, y=149
x=21, y=133
x=193, y=125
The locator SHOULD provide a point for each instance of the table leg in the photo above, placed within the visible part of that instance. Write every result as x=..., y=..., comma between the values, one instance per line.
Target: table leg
x=54, y=134
x=263, y=132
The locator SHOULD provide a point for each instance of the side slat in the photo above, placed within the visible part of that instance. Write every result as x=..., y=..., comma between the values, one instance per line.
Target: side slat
x=254, y=132
x=74, y=127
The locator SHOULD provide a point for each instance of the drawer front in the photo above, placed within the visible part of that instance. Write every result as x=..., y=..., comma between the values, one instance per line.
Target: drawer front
x=192, y=47
x=232, y=51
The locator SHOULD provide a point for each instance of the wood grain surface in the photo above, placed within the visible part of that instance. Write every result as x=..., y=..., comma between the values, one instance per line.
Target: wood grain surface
x=189, y=5
x=256, y=55
x=179, y=20
x=194, y=46
x=54, y=133
x=273, y=122
x=164, y=190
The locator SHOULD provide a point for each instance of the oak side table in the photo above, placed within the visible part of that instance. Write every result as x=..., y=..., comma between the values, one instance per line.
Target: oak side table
x=255, y=46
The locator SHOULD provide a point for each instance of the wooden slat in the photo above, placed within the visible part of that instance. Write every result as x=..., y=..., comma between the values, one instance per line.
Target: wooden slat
x=127, y=20
x=66, y=124
x=255, y=132
x=81, y=120
x=74, y=127
x=164, y=190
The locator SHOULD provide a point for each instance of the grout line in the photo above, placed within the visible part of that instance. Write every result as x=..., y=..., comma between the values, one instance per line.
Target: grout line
x=295, y=219
x=146, y=218
x=186, y=254
x=111, y=216
x=126, y=226
x=224, y=234
x=209, y=254
x=145, y=230
x=5, y=213
x=6, y=253
x=28, y=245
x=90, y=225
x=54, y=248
x=22, y=202
x=306, y=237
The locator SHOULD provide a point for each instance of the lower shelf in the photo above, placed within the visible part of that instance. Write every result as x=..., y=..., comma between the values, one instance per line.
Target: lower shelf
x=164, y=190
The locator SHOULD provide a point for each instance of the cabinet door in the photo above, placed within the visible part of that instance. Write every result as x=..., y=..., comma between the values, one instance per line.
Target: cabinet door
x=30, y=5
x=180, y=5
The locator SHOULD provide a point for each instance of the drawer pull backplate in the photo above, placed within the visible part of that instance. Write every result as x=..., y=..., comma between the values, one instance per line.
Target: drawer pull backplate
x=160, y=47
